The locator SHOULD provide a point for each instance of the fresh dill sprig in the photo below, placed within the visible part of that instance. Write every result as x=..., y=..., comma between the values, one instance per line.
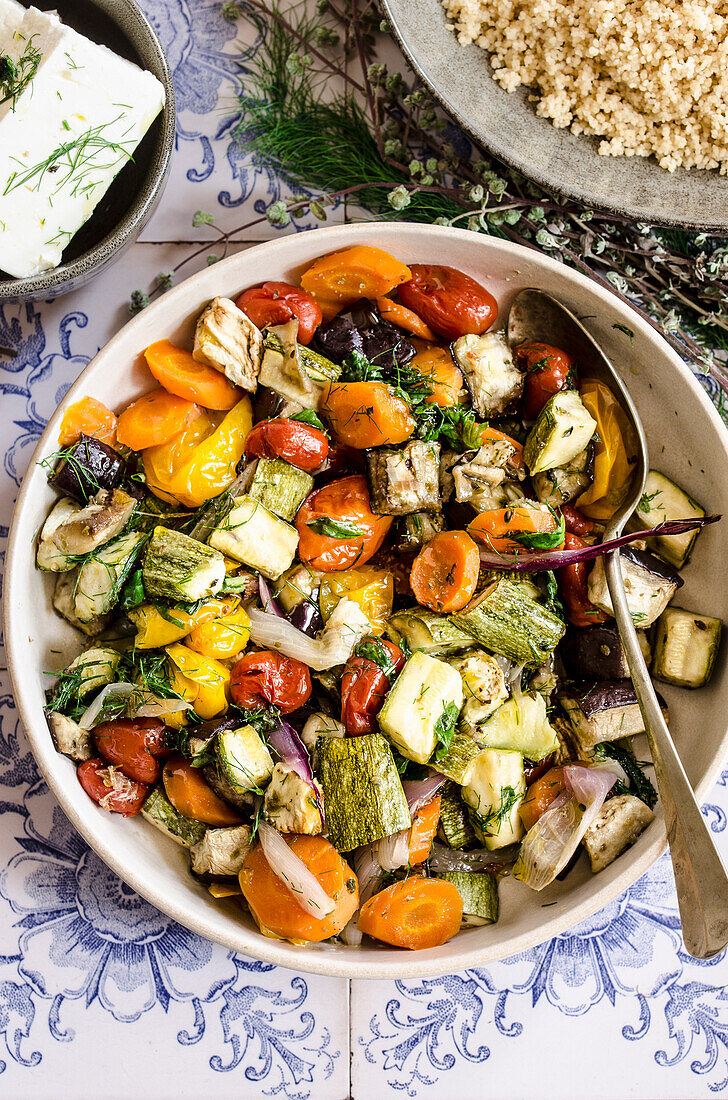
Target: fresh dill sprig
x=73, y=160
x=15, y=76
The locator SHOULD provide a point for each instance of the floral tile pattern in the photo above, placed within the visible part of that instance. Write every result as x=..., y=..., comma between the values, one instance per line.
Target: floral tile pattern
x=92, y=976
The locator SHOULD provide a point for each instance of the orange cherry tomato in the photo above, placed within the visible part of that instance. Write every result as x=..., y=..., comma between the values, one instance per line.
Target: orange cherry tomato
x=276, y=303
x=448, y=300
x=301, y=444
x=540, y=795
x=548, y=371
x=268, y=677
x=191, y=796
x=367, y=414
x=337, y=528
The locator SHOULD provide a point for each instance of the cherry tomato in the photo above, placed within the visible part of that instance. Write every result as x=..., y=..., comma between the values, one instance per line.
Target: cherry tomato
x=448, y=300
x=111, y=788
x=365, y=683
x=270, y=677
x=300, y=444
x=540, y=795
x=574, y=592
x=575, y=522
x=276, y=303
x=132, y=745
x=534, y=769
x=337, y=528
x=549, y=370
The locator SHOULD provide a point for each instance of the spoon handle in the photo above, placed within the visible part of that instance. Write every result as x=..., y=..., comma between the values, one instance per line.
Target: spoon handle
x=700, y=877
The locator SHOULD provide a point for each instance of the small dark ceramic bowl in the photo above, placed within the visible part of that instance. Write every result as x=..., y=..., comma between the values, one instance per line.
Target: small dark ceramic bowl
x=132, y=198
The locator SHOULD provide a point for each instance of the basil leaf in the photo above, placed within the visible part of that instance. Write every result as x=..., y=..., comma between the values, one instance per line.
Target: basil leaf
x=308, y=416
x=132, y=594
x=445, y=728
x=542, y=540
x=335, y=528
x=372, y=650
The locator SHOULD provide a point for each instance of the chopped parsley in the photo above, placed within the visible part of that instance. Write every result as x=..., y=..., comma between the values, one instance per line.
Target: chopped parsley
x=445, y=728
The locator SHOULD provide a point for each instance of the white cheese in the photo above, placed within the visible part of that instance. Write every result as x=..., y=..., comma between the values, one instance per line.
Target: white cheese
x=11, y=16
x=65, y=139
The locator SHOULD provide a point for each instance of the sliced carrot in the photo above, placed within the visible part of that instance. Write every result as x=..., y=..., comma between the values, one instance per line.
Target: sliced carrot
x=540, y=795
x=422, y=831
x=155, y=419
x=190, y=795
x=492, y=435
x=436, y=366
x=445, y=573
x=496, y=528
x=366, y=414
x=87, y=417
x=277, y=910
x=341, y=278
x=180, y=374
x=404, y=318
x=416, y=913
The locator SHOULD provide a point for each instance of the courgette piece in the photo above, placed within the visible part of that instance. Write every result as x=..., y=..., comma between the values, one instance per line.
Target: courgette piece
x=93, y=669
x=316, y=365
x=506, y=620
x=363, y=793
x=455, y=827
x=484, y=686
x=244, y=764
x=561, y=484
x=290, y=803
x=520, y=724
x=458, y=759
x=427, y=631
x=490, y=374
x=177, y=567
x=479, y=891
x=414, y=709
x=292, y=370
x=494, y=792
x=282, y=488
x=256, y=537
x=226, y=339
x=562, y=431
x=158, y=810
x=101, y=577
x=686, y=646
x=663, y=500
x=220, y=853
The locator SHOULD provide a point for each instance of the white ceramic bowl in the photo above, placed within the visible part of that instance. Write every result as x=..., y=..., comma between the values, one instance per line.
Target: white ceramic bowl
x=687, y=441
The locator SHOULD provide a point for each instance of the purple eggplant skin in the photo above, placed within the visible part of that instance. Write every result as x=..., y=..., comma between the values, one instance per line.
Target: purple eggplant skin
x=87, y=467
x=307, y=618
x=652, y=564
x=600, y=695
x=362, y=328
x=594, y=651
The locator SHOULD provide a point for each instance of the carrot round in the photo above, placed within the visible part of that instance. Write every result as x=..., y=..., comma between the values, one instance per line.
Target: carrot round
x=276, y=909
x=422, y=831
x=416, y=913
x=367, y=414
x=445, y=572
x=436, y=366
x=180, y=374
x=87, y=417
x=190, y=795
x=155, y=419
x=404, y=318
x=341, y=278
x=496, y=528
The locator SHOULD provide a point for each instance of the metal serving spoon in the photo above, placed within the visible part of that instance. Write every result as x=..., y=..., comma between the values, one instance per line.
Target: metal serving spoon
x=700, y=878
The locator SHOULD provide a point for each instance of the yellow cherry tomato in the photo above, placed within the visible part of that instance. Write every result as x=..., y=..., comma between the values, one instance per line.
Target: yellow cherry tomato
x=207, y=677
x=372, y=589
x=614, y=453
x=222, y=637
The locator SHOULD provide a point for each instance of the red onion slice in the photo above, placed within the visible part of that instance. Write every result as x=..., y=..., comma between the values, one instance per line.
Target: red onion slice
x=268, y=600
x=292, y=751
x=419, y=792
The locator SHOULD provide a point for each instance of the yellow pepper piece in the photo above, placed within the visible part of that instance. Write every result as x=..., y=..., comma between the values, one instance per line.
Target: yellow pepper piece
x=162, y=462
x=372, y=589
x=224, y=889
x=614, y=453
x=208, y=677
x=222, y=637
x=155, y=629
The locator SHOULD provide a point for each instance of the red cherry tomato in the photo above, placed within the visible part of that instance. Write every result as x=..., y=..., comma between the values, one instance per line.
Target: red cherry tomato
x=549, y=370
x=574, y=592
x=365, y=683
x=132, y=745
x=268, y=677
x=111, y=788
x=575, y=521
x=448, y=300
x=300, y=444
x=343, y=507
x=276, y=303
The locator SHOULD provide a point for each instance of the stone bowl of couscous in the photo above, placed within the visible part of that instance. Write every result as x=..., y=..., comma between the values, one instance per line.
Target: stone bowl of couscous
x=620, y=105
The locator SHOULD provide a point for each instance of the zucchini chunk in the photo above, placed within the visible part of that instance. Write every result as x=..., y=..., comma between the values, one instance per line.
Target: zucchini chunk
x=49, y=558
x=494, y=791
x=101, y=577
x=160, y=812
x=561, y=484
x=618, y=824
x=597, y=651
x=506, y=620
x=226, y=339
x=413, y=531
x=282, y=488
x=295, y=372
x=69, y=738
x=220, y=853
x=290, y=803
x=455, y=828
x=363, y=793
x=426, y=693
x=603, y=711
x=427, y=631
x=479, y=891
x=484, y=686
x=179, y=568
x=686, y=646
x=649, y=582
x=458, y=759
x=320, y=725
x=664, y=500
x=404, y=479
x=98, y=522
x=520, y=724
x=64, y=602
x=562, y=431
x=95, y=668
x=256, y=537
x=244, y=764
x=494, y=381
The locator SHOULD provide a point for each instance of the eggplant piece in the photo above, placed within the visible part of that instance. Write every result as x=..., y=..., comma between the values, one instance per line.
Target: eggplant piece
x=650, y=584
x=404, y=479
x=479, y=476
x=307, y=618
x=598, y=651
x=617, y=825
x=414, y=530
x=493, y=379
x=362, y=328
x=226, y=339
x=87, y=467
x=69, y=738
x=101, y=520
x=563, y=483
x=605, y=710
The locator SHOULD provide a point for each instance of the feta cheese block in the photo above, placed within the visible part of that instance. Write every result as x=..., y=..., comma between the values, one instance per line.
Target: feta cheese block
x=64, y=138
x=11, y=16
